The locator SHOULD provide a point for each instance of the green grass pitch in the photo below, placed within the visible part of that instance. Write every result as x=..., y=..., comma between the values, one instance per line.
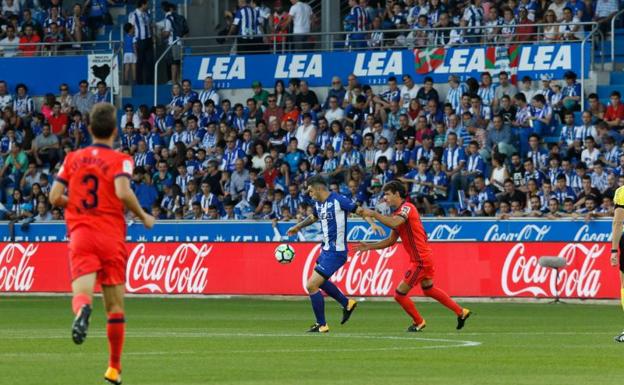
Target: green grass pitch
x=253, y=342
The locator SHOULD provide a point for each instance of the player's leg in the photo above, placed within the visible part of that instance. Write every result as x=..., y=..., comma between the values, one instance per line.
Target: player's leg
x=620, y=338
x=440, y=295
x=402, y=298
x=318, y=303
x=326, y=268
x=115, y=329
x=82, y=289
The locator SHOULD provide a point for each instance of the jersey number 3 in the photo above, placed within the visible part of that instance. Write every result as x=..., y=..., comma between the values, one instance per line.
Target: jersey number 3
x=91, y=182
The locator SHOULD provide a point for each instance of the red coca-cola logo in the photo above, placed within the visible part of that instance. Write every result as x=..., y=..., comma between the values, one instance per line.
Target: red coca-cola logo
x=522, y=274
x=15, y=272
x=364, y=273
x=182, y=271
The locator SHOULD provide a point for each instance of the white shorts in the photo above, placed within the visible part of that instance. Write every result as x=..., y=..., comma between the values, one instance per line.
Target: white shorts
x=129, y=58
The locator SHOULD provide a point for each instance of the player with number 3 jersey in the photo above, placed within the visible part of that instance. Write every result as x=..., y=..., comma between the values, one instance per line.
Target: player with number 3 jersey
x=94, y=186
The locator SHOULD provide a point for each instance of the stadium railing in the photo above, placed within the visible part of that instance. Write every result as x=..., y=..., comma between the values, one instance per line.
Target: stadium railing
x=613, y=34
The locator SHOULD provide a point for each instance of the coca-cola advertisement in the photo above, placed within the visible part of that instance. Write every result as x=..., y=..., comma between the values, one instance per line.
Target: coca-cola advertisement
x=470, y=269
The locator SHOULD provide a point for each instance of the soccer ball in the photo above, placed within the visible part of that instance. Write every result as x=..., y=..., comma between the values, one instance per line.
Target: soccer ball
x=284, y=253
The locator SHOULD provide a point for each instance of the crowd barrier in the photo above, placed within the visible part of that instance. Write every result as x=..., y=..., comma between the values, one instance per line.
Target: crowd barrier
x=444, y=229
x=473, y=258
x=470, y=269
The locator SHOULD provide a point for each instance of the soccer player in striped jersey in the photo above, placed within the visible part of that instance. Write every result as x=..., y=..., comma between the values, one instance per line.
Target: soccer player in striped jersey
x=405, y=223
x=332, y=210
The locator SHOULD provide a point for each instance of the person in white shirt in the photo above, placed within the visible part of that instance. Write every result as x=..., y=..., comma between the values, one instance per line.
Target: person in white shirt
x=6, y=99
x=334, y=112
x=209, y=92
x=172, y=40
x=409, y=90
x=384, y=149
x=300, y=15
x=306, y=133
x=557, y=7
x=590, y=154
x=8, y=45
x=570, y=29
x=130, y=116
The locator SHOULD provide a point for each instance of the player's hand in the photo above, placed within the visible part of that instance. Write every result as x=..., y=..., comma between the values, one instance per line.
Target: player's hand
x=378, y=230
x=148, y=221
x=363, y=247
x=614, y=259
x=367, y=213
x=292, y=231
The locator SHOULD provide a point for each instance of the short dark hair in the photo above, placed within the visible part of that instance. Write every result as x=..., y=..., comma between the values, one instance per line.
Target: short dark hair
x=317, y=180
x=395, y=187
x=103, y=120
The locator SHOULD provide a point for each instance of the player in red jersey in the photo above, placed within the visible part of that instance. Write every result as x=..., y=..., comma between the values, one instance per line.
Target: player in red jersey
x=97, y=180
x=405, y=223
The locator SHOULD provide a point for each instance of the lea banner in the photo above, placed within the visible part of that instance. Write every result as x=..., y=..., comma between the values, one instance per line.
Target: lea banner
x=374, y=67
x=471, y=269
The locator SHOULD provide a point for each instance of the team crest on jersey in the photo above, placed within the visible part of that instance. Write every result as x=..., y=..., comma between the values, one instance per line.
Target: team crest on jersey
x=328, y=215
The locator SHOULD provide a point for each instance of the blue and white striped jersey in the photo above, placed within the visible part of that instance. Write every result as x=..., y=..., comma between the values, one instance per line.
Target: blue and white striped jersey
x=247, y=21
x=333, y=215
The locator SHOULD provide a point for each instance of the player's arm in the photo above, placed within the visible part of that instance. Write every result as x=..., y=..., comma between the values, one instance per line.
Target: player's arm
x=376, y=228
x=126, y=195
x=391, y=240
x=392, y=221
x=57, y=194
x=618, y=217
x=310, y=219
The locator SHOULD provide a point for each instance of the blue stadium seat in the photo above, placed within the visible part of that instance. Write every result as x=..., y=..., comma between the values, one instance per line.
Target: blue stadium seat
x=617, y=78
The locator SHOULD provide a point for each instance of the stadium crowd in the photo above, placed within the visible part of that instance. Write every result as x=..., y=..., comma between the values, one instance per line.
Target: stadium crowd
x=479, y=150
x=485, y=147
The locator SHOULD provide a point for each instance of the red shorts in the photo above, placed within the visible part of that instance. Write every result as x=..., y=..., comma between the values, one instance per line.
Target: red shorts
x=419, y=271
x=90, y=252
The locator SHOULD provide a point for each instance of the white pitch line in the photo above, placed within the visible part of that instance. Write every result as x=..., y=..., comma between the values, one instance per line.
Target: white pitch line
x=451, y=343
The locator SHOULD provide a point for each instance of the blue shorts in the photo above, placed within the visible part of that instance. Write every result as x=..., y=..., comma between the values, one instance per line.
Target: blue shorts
x=329, y=262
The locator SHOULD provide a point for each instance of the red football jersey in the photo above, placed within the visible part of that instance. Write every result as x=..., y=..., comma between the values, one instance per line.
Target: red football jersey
x=89, y=175
x=412, y=233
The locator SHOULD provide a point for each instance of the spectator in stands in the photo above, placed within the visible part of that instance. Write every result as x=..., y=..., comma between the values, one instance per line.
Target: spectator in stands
x=307, y=95
x=28, y=43
x=525, y=31
x=604, y=11
x=300, y=16
x=76, y=27
x=9, y=46
x=66, y=99
x=427, y=92
x=6, y=99
x=23, y=104
x=102, y=94
x=209, y=92
x=46, y=148
x=376, y=36
x=247, y=26
x=569, y=27
x=84, y=100
x=571, y=92
x=260, y=95
x=142, y=22
x=474, y=16
x=614, y=114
